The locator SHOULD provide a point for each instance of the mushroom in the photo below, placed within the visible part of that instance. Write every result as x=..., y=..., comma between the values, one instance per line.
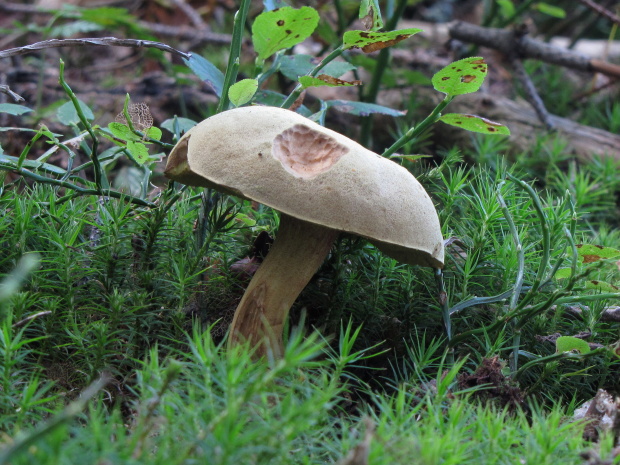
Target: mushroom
x=322, y=183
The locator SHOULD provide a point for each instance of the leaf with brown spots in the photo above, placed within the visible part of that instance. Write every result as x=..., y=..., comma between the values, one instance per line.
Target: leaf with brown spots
x=590, y=253
x=474, y=123
x=282, y=28
x=461, y=77
x=370, y=41
x=326, y=80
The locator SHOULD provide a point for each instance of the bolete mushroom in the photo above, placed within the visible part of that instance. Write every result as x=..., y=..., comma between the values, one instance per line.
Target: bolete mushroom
x=322, y=183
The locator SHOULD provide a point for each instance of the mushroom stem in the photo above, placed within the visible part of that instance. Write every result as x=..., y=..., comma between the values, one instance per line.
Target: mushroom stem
x=298, y=251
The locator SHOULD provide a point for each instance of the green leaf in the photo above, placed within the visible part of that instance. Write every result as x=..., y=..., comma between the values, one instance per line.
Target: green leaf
x=361, y=108
x=184, y=124
x=563, y=273
x=474, y=123
x=138, y=152
x=461, y=77
x=206, y=71
x=589, y=253
x=370, y=15
x=507, y=8
x=13, y=109
x=282, y=28
x=570, y=344
x=601, y=286
x=373, y=41
x=242, y=92
x=67, y=113
x=121, y=131
x=153, y=133
x=325, y=80
x=551, y=10
x=293, y=66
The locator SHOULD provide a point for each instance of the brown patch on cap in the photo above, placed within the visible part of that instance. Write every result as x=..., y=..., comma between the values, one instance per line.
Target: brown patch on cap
x=306, y=153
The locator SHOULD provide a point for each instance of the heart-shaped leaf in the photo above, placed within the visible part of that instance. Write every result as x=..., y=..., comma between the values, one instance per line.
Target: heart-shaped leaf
x=121, y=131
x=326, y=80
x=153, y=133
x=461, y=77
x=183, y=124
x=242, y=92
x=282, y=28
x=370, y=41
x=138, y=152
x=67, y=113
x=474, y=123
x=570, y=344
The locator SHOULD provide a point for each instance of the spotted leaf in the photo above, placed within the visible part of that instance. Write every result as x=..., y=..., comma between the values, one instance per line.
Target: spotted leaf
x=474, y=123
x=282, y=28
x=589, y=253
x=461, y=77
x=326, y=80
x=372, y=41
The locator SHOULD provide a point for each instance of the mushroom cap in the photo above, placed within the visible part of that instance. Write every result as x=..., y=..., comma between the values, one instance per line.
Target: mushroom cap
x=281, y=159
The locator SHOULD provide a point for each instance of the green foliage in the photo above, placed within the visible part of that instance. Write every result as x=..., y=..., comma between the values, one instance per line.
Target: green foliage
x=474, y=124
x=570, y=344
x=102, y=283
x=242, y=92
x=282, y=28
x=373, y=41
x=461, y=77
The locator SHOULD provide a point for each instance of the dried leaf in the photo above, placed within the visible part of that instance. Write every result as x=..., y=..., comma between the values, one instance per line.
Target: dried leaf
x=372, y=41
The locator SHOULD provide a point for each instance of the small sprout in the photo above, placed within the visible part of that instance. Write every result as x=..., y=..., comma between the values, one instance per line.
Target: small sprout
x=242, y=92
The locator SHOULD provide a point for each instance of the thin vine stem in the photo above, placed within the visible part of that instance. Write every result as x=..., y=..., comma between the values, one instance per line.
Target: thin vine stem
x=235, y=51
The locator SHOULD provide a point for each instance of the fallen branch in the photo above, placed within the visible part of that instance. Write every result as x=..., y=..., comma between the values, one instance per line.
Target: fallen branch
x=512, y=43
x=16, y=97
x=102, y=41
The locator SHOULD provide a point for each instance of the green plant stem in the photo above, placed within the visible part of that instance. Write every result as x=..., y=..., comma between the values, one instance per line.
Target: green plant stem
x=78, y=190
x=377, y=77
x=514, y=298
x=99, y=176
x=235, y=51
x=416, y=131
x=299, y=88
x=445, y=311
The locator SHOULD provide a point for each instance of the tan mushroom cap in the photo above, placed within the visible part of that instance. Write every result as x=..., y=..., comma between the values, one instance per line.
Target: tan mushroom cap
x=281, y=159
